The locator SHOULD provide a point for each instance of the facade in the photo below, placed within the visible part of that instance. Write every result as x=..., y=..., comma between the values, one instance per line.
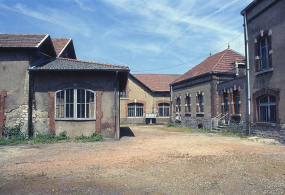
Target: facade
x=202, y=96
x=264, y=28
x=146, y=99
x=46, y=89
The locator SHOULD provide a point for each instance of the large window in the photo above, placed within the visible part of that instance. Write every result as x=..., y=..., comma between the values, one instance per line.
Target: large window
x=135, y=110
x=75, y=104
x=264, y=53
x=267, y=109
x=163, y=109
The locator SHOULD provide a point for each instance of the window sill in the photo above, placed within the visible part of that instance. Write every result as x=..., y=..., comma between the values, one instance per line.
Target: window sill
x=72, y=119
x=136, y=117
x=264, y=71
x=124, y=98
x=266, y=124
x=236, y=115
x=188, y=114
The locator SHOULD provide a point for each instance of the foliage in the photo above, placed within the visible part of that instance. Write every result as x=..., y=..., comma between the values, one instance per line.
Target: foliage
x=232, y=132
x=49, y=138
x=94, y=137
x=12, y=135
x=170, y=124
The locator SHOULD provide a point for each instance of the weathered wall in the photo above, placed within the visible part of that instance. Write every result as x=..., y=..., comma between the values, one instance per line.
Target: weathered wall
x=272, y=18
x=14, y=79
x=46, y=82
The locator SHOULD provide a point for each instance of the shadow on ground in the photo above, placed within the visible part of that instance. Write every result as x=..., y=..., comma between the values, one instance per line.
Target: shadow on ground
x=126, y=132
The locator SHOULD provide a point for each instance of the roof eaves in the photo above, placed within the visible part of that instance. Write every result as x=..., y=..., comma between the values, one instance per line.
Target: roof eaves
x=42, y=40
x=64, y=47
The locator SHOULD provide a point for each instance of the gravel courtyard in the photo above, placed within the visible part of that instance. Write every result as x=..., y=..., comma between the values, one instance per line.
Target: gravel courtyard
x=147, y=160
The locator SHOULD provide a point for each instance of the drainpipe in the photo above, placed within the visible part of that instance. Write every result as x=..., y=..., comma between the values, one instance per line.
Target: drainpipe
x=30, y=105
x=117, y=133
x=171, y=107
x=247, y=73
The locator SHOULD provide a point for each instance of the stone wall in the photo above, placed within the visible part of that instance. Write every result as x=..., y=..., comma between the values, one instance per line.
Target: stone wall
x=194, y=122
x=271, y=132
x=133, y=120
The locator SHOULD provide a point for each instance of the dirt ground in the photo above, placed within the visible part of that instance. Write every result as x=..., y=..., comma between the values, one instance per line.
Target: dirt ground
x=147, y=160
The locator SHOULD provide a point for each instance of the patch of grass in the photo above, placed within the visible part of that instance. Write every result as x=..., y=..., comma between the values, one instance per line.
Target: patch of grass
x=170, y=124
x=225, y=132
x=93, y=138
x=49, y=138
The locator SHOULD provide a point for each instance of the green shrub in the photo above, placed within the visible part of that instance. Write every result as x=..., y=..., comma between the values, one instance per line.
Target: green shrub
x=49, y=138
x=94, y=137
x=170, y=124
x=12, y=135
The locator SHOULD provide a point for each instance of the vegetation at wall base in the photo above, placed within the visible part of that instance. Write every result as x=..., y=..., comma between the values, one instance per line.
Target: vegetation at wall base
x=224, y=132
x=93, y=138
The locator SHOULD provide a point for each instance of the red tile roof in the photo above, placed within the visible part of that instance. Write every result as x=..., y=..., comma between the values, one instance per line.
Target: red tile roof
x=20, y=40
x=220, y=62
x=59, y=44
x=157, y=82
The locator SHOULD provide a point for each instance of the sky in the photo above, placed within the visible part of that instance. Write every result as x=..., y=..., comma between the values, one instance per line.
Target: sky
x=148, y=36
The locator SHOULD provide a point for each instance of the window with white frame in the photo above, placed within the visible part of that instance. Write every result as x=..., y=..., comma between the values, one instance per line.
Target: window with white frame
x=264, y=53
x=123, y=94
x=267, y=109
x=163, y=109
x=75, y=104
x=200, y=102
x=135, y=110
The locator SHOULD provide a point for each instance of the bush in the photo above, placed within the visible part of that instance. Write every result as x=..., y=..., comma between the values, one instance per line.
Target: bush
x=94, y=137
x=12, y=135
x=49, y=138
x=170, y=124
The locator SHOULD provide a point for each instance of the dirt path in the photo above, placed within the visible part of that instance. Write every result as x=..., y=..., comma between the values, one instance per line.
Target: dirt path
x=155, y=160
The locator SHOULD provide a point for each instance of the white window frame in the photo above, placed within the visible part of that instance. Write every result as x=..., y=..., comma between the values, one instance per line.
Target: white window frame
x=163, y=106
x=136, y=106
x=75, y=103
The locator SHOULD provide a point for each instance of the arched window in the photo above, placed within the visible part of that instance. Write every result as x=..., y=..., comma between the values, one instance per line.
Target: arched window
x=267, y=109
x=75, y=104
x=135, y=110
x=163, y=109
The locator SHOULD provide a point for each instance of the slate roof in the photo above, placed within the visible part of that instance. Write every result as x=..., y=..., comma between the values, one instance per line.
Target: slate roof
x=220, y=62
x=157, y=82
x=73, y=64
x=59, y=44
x=21, y=40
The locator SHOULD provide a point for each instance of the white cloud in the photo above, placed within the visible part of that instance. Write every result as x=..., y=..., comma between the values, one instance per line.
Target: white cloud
x=83, y=6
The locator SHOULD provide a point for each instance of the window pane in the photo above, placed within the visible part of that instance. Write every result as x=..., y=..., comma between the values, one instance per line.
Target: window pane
x=60, y=104
x=272, y=113
x=80, y=110
x=80, y=96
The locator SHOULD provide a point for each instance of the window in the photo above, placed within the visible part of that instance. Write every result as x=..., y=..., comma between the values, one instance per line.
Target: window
x=267, y=109
x=75, y=104
x=178, y=108
x=236, y=100
x=200, y=103
x=135, y=110
x=188, y=104
x=163, y=109
x=264, y=53
x=123, y=94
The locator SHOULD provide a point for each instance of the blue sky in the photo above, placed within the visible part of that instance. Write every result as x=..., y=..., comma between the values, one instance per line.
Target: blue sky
x=148, y=36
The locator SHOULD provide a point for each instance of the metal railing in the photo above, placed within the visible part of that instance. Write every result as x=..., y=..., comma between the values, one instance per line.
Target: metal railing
x=218, y=119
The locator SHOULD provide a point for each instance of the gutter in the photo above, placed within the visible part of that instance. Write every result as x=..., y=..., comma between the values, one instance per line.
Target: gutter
x=117, y=133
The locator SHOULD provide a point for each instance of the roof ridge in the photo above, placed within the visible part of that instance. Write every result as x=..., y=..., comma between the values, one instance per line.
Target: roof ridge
x=225, y=51
x=70, y=59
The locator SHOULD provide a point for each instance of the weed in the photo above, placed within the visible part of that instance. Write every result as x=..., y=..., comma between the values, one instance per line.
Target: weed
x=94, y=137
x=170, y=124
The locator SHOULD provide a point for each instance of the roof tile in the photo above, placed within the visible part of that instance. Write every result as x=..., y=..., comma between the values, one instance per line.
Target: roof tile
x=220, y=62
x=157, y=82
x=59, y=44
x=20, y=40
